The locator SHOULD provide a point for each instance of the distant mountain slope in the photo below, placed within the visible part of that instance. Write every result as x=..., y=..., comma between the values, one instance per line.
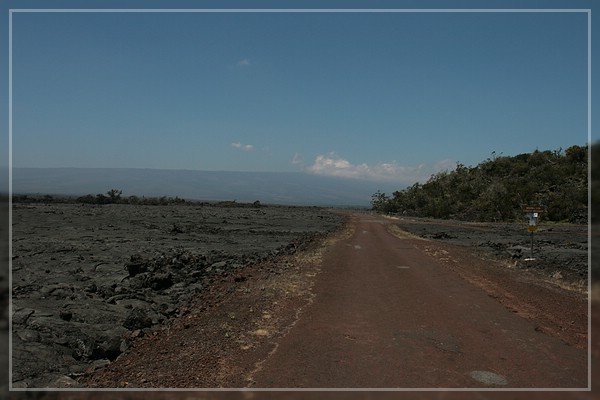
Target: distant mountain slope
x=267, y=187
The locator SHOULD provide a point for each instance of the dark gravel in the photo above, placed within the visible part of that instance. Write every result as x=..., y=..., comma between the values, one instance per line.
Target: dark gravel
x=560, y=250
x=87, y=279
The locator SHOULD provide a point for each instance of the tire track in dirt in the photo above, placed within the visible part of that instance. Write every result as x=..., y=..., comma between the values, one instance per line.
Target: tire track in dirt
x=349, y=313
x=555, y=309
x=313, y=258
x=228, y=330
x=387, y=314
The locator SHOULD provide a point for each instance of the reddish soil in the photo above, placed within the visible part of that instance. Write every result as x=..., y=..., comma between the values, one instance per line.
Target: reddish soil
x=246, y=325
x=87, y=279
x=392, y=312
x=373, y=307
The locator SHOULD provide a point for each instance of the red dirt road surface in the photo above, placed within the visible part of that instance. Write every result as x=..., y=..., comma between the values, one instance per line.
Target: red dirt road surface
x=371, y=308
x=388, y=315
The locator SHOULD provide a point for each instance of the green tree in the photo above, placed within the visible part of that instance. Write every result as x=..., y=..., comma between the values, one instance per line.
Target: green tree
x=382, y=203
x=114, y=195
x=496, y=189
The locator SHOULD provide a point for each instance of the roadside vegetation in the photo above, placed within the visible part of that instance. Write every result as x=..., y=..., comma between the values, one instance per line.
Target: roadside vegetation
x=115, y=196
x=497, y=188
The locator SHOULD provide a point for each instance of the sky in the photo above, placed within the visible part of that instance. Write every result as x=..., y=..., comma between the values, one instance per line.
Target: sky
x=391, y=97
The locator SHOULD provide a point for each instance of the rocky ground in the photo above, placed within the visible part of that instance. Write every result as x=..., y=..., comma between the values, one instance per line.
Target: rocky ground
x=560, y=251
x=4, y=295
x=87, y=280
x=239, y=328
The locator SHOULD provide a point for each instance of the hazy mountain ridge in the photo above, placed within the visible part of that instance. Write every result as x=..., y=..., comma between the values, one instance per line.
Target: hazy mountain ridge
x=267, y=187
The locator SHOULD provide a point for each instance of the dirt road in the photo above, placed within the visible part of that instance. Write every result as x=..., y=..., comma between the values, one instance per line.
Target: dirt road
x=372, y=307
x=387, y=315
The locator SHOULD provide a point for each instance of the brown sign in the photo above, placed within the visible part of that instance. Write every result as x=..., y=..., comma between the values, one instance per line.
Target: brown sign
x=533, y=209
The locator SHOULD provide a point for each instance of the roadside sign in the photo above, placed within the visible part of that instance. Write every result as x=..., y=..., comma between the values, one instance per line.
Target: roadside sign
x=533, y=209
x=533, y=213
x=533, y=218
x=532, y=228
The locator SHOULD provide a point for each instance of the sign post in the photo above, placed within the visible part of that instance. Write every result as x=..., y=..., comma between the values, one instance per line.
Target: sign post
x=533, y=213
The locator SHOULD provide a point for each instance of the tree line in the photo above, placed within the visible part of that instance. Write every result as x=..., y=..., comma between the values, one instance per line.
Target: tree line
x=497, y=188
x=112, y=196
x=115, y=196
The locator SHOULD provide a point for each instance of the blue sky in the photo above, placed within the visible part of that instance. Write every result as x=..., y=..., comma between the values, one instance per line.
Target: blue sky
x=383, y=96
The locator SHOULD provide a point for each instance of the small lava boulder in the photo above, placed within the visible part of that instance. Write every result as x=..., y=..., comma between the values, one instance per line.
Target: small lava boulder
x=137, y=318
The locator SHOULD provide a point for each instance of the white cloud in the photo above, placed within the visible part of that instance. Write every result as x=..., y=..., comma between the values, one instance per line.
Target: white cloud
x=298, y=160
x=332, y=165
x=241, y=146
x=243, y=63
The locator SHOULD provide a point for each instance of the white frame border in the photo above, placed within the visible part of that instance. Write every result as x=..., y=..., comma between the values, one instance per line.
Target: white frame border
x=426, y=10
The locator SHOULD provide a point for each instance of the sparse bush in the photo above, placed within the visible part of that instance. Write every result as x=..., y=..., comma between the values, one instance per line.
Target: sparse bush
x=87, y=199
x=101, y=199
x=114, y=195
x=133, y=200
